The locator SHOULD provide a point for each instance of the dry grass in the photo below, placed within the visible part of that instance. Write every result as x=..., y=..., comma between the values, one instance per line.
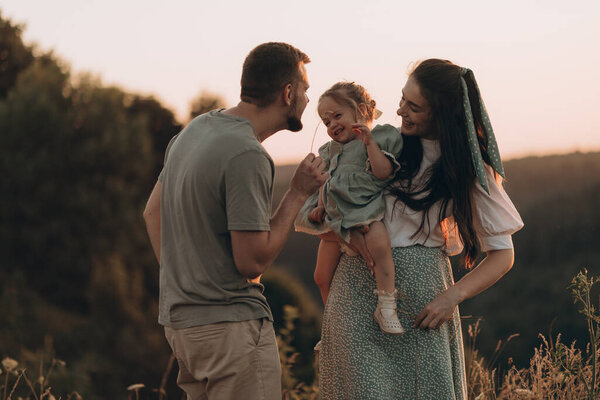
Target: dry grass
x=16, y=381
x=556, y=370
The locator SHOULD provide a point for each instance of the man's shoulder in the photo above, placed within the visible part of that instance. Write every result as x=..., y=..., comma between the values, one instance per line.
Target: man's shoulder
x=225, y=134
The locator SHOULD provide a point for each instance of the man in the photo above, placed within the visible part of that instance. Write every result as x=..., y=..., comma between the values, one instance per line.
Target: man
x=208, y=219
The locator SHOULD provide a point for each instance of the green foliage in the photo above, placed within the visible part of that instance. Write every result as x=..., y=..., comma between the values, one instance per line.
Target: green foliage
x=78, y=160
x=205, y=102
x=292, y=387
x=284, y=290
x=78, y=277
x=15, y=56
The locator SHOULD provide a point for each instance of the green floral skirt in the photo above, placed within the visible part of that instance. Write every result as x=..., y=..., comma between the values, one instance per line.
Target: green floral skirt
x=358, y=361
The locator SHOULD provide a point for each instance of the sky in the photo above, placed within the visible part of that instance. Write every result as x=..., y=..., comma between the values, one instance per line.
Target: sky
x=537, y=63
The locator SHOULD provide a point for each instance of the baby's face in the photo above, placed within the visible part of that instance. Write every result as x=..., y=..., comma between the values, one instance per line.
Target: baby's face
x=338, y=119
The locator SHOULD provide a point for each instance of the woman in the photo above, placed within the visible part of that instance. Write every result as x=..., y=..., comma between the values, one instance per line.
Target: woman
x=447, y=198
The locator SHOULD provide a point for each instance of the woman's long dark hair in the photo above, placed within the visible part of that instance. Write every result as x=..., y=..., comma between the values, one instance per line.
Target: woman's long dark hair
x=452, y=177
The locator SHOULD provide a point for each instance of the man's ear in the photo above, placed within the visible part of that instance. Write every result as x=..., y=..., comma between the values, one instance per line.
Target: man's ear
x=288, y=94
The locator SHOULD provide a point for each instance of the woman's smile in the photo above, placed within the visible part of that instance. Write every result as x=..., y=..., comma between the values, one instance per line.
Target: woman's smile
x=406, y=123
x=415, y=111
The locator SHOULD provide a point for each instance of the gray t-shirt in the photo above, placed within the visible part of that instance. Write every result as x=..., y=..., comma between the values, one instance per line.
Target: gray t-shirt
x=217, y=178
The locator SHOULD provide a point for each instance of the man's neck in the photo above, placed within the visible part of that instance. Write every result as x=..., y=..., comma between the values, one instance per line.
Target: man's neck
x=265, y=121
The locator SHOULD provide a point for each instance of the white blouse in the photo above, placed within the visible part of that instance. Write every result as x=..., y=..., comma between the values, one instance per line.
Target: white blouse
x=495, y=218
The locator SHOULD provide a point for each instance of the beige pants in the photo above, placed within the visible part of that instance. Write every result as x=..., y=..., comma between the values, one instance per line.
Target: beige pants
x=228, y=360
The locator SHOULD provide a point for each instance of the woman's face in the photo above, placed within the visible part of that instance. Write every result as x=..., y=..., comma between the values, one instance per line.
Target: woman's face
x=415, y=112
x=338, y=119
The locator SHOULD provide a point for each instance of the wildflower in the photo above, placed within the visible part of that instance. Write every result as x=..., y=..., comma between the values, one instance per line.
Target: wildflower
x=524, y=393
x=9, y=364
x=135, y=386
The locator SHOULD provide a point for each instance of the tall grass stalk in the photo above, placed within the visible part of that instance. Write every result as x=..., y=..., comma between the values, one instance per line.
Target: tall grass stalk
x=581, y=290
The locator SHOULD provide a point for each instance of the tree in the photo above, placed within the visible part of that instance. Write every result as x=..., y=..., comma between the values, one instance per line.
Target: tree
x=204, y=102
x=14, y=55
x=77, y=159
x=161, y=124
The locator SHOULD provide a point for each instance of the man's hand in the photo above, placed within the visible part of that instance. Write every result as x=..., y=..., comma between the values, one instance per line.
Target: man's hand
x=254, y=251
x=309, y=175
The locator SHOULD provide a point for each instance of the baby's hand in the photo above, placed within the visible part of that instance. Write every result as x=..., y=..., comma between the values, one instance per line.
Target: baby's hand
x=362, y=132
x=317, y=215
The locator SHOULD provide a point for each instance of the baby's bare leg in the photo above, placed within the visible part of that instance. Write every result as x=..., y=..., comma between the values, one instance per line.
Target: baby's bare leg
x=385, y=314
x=378, y=243
x=327, y=261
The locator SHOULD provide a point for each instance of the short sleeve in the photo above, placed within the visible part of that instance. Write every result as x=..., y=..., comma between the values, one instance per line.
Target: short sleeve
x=248, y=191
x=161, y=175
x=495, y=218
x=390, y=141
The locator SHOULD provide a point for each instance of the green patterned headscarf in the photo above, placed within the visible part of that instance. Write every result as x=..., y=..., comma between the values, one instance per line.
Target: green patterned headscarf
x=491, y=145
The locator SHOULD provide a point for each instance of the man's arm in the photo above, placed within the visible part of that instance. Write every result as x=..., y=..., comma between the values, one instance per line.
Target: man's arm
x=152, y=218
x=254, y=251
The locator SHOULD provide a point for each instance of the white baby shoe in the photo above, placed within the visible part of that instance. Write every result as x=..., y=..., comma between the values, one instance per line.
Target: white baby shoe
x=317, y=347
x=385, y=313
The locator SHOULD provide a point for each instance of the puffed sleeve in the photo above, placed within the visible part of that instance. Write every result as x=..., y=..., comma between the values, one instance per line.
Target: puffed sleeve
x=324, y=153
x=389, y=140
x=495, y=218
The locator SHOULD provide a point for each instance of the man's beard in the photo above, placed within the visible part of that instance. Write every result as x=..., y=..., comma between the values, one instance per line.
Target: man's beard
x=293, y=122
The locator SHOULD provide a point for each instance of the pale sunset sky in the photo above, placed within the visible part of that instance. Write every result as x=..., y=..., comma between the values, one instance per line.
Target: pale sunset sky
x=537, y=62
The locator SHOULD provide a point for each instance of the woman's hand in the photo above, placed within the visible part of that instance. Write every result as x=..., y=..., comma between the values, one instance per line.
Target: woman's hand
x=359, y=244
x=493, y=267
x=363, y=132
x=439, y=310
x=317, y=215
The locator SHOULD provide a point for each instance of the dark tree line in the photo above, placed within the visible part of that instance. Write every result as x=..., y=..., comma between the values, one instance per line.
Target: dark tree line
x=78, y=279
x=558, y=198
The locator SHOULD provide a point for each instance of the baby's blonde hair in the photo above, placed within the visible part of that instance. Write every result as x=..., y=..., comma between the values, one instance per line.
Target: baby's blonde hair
x=352, y=95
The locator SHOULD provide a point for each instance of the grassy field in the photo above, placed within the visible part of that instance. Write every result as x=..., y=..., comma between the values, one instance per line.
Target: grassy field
x=556, y=371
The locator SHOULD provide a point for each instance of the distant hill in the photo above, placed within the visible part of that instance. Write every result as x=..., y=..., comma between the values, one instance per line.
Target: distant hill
x=558, y=198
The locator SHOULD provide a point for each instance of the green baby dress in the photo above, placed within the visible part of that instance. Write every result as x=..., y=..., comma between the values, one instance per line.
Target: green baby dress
x=352, y=195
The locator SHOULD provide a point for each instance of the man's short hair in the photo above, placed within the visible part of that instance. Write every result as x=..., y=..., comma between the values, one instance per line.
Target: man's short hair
x=267, y=69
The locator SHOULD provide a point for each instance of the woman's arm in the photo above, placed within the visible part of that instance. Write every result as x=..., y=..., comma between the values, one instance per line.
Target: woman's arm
x=489, y=271
x=381, y=166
